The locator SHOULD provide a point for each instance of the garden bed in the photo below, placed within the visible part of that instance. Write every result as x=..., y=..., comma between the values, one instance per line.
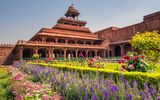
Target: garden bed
x=92, y=83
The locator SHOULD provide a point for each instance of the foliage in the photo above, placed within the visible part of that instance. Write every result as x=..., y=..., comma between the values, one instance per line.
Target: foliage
x=5, y=81
x=149, y=44
x=135, y=62
x=35, y=56
x=77, y=84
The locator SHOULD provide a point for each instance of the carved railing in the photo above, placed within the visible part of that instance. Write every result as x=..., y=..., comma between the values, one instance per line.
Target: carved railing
x=40, y=43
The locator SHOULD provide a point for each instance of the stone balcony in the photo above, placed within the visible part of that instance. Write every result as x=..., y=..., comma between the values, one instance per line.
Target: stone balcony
x=61, y=45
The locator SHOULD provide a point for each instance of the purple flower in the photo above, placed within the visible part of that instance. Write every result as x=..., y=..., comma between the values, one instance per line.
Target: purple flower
x=63, y=94
x=94, y=97
x=105, y=93
x=107, y=83
x=158, y=98
x=127, y=84
x=122, y=77
x=114, y=89
x=129, y=96
x=86, y=96
x=151, y=90
x=145, y=85
x=91, y=89
x=134, y=83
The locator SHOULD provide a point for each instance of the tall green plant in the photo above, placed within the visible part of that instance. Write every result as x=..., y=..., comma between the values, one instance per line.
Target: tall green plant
x=149, y=44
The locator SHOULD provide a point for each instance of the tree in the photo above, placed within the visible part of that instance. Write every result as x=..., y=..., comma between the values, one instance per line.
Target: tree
x=149, y=44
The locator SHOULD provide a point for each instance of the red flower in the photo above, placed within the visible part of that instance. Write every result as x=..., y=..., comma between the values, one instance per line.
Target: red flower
x=126, y=57
x=142, y=57
x=93, y=59
x=136, y=57
x=131, y=66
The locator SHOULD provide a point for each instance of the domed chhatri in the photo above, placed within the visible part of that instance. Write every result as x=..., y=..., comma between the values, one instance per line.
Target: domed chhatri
x=72, y=12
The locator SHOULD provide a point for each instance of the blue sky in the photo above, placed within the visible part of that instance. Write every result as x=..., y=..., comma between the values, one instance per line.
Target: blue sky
x=21, y=19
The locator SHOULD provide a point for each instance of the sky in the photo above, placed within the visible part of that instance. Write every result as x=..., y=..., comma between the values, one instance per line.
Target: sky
x=21, y=19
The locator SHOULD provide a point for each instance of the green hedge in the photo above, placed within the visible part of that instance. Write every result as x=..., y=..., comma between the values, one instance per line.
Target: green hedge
x=140, y=77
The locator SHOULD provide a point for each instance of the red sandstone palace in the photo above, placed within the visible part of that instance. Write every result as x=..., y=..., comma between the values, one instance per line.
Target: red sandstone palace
x=70, y=37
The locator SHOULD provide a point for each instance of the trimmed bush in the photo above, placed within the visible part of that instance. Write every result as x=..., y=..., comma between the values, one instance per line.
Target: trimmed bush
x=140, y=77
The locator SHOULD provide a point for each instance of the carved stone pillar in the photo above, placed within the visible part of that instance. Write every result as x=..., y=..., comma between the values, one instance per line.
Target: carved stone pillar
x=20, y=50
x=49, y=52
x=66, y=41
x=108, y=53
x=92, y=42
x=56, y=40
x=75, y=41
x=86, y=53
x=104, y=53
x=64, y=53
x=84, y=42
x=52, y=50
x=96, y=51
x=76, y=53
x=122, y=50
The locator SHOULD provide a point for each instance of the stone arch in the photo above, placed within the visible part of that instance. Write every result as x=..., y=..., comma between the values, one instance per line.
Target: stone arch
x=84, y=53
x=28, y=53
x=58, y=53
x=100, y=53
x=117, y=50
x=91, y=53
x=43, y=52
x=73, y=54
x=67, y=53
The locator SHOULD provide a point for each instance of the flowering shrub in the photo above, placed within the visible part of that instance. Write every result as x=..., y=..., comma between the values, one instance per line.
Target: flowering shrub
x=23, y=88
x=74, y=85
x=47, y=60
x=135, y=63
x=92, y=63
x=35, y=56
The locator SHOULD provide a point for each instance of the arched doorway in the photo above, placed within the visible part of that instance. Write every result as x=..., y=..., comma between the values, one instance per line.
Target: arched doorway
x=58, y=53
x=43, y=52
x=91, y=53
x=28, y=53
x=68, y=53
x=73, y=54
x=117, y=51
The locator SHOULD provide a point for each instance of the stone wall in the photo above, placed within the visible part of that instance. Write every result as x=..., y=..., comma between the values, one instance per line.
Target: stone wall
x=5, y=51
x=150, y=23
